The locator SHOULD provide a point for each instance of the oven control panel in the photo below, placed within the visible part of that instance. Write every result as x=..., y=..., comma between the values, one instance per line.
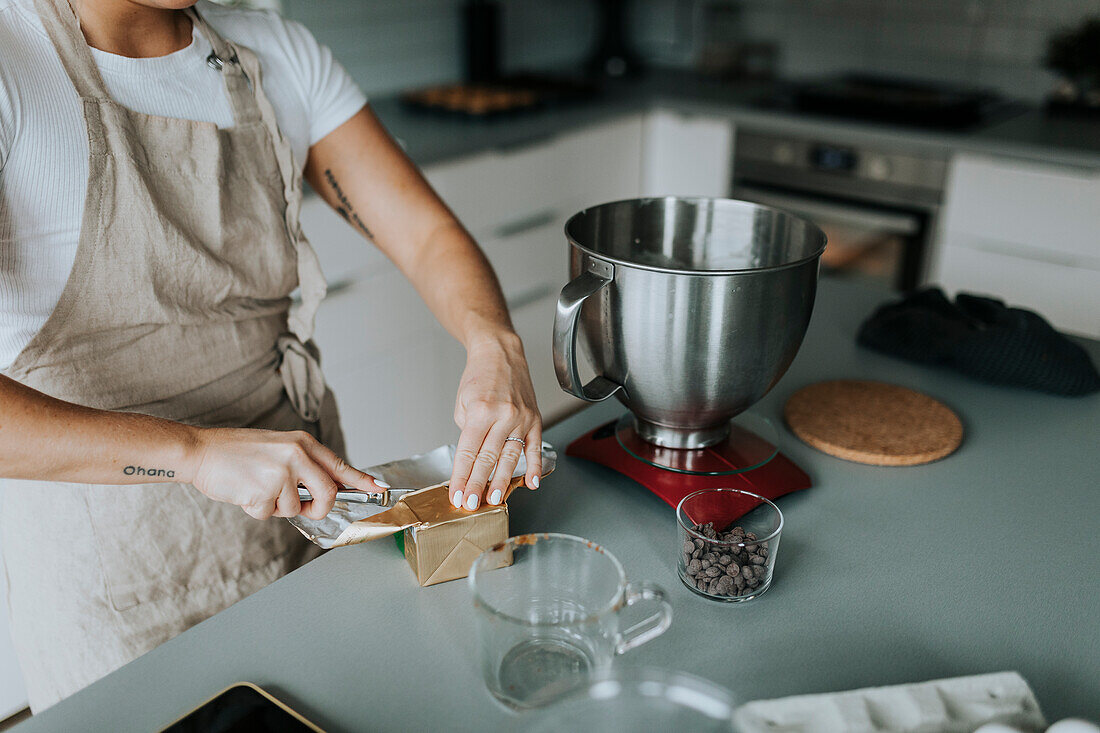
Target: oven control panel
x=839, y=168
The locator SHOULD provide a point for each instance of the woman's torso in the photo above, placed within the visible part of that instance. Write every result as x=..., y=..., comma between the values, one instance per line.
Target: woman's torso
x=43, y=145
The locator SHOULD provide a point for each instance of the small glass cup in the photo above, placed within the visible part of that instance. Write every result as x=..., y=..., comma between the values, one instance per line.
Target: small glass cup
x=632, y=700
x=728, y=540
x=547, y=608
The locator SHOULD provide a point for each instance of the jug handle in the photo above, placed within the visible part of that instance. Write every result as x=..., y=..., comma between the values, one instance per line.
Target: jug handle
x=651, y=627
x=597, y=275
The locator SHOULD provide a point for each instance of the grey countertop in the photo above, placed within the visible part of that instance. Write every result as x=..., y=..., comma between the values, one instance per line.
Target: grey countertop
x=432, y=138
x=988, y=560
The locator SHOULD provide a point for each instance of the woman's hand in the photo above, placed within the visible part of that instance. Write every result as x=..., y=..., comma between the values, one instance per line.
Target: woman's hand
x=260, y=470
x=496, y=401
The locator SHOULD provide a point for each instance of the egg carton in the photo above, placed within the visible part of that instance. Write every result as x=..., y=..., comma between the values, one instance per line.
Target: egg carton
x=955, y=705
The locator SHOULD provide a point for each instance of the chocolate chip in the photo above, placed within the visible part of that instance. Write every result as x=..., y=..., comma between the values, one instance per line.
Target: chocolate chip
x=725, y=563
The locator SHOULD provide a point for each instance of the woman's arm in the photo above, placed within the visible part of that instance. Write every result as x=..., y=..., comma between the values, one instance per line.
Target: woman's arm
x=259, y=470
x=362, y=173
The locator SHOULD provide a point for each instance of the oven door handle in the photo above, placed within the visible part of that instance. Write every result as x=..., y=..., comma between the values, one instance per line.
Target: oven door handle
x=836, y=213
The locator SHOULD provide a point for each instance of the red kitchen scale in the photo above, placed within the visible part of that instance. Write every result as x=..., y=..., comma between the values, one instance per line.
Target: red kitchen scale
x=747, y=459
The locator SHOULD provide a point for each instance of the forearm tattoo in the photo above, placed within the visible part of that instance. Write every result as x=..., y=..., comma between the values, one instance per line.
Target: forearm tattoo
x=345, y=208
x=143, y=471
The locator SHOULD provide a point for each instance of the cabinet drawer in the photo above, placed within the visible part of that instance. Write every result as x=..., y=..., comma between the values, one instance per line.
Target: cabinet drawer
x=494, y=188
x=602, y=163
x=535, y=325
x=344, y=253
x=533, y=261
x=381, y=352
x=390, y=405
x=686, y=155
x=489, y=192
x=373, y=316
x=1068, y=297
x=1034, y=206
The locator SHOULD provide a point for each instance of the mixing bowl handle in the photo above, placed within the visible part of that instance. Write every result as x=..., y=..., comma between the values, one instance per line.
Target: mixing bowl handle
x=570, y=301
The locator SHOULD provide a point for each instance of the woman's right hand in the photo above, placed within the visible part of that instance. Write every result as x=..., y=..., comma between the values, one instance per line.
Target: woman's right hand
x=260, y=470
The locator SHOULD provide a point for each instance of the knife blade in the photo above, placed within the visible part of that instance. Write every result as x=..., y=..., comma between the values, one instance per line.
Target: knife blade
x=386, y=497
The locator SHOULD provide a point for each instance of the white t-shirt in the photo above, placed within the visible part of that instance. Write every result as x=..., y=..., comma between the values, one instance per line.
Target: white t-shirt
x=44, y=146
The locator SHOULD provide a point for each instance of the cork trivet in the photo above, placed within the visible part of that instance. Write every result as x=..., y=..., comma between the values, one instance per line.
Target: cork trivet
x=873, y=422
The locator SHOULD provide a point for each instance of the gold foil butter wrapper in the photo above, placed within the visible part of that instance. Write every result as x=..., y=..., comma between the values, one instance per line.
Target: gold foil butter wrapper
x=442, y=551
x=428, y=509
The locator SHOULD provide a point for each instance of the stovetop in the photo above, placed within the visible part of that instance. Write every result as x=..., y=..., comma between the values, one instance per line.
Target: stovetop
x=908, y=102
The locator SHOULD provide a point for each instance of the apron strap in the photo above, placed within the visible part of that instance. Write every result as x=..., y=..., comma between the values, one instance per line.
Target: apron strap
x=244, y=78
x=300, y=367
x=63, y=27
x=225, y=57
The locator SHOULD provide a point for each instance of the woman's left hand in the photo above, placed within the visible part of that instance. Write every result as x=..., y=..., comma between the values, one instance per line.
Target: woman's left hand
x=496, y=401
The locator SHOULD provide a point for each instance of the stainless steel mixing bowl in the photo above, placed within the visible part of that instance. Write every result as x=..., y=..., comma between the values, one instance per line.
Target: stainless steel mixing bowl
x=691, y=309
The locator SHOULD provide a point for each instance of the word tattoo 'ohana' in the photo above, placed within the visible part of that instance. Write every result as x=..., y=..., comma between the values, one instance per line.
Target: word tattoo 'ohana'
x=142, y=471
x=345, y=208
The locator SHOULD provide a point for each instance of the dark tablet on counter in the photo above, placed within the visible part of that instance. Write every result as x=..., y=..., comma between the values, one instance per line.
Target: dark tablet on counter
x=243, y=708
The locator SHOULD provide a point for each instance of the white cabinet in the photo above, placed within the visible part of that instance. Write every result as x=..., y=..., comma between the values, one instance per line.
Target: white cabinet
x=686, y=155
x=1026, y=233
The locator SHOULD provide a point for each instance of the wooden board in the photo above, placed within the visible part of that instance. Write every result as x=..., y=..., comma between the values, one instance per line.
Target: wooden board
x=873, y=422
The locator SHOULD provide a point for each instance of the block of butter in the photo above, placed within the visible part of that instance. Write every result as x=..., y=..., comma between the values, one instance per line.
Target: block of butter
x=444, y=548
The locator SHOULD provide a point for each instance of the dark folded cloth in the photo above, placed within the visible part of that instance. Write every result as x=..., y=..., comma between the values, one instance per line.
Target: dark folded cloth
x=981, y=338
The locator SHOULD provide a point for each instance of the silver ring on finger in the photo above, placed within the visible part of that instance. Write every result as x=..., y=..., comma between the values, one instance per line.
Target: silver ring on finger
x=521, y=441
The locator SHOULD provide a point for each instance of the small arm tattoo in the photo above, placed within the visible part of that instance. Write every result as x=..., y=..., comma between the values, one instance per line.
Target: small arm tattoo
x=143, y=471
x=345, y=208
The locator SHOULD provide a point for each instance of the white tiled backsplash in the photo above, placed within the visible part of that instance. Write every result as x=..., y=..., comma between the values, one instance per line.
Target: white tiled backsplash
x=394, y=44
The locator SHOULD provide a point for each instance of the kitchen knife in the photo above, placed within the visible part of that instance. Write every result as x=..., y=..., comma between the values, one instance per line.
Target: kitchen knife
x=386, y=497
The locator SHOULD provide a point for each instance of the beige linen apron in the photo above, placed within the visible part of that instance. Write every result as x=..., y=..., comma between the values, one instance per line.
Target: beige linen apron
x=177, y=306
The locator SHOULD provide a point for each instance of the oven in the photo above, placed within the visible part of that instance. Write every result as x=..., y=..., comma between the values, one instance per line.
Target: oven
x=877, y=203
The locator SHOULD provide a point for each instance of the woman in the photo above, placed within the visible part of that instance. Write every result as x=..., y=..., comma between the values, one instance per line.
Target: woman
x=151, y=158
